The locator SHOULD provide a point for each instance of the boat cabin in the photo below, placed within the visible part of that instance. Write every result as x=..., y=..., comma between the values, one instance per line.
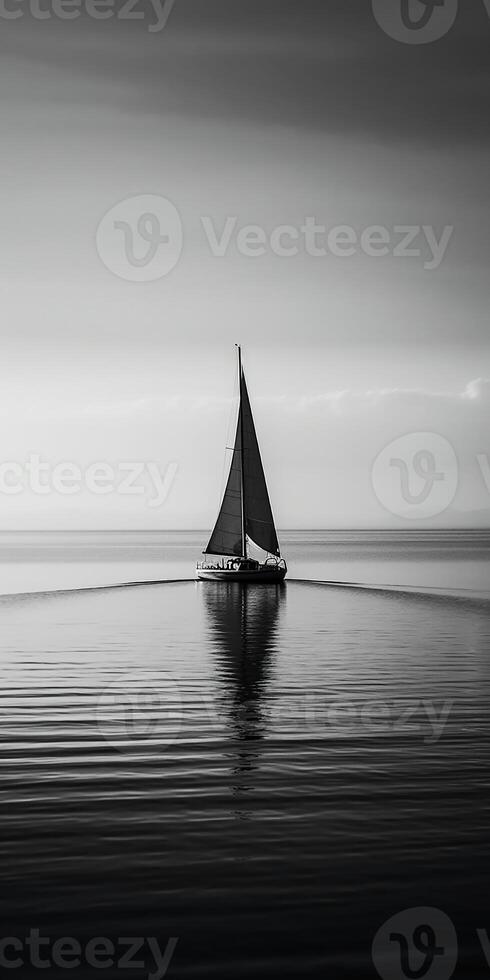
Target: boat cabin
x=243, y=564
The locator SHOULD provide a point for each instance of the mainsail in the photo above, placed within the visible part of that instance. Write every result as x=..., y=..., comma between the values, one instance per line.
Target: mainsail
x=245, y=510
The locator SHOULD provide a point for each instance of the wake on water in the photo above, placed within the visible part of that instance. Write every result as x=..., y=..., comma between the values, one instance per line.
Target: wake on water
x=433, y=592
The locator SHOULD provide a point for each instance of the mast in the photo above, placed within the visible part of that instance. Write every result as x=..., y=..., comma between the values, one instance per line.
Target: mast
x=242, y=467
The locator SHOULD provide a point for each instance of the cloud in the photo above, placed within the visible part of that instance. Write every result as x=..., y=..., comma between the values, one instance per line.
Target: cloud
x=476, y=393
x=477, y=390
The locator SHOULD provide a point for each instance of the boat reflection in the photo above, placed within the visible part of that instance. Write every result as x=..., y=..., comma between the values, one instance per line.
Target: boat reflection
x=242, y=622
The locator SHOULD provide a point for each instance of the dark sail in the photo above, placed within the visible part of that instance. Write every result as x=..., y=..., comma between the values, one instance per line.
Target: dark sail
x=259, y=521
x=227, y=537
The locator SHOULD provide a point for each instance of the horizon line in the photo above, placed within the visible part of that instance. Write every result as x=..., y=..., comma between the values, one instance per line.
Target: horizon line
x=205, y=531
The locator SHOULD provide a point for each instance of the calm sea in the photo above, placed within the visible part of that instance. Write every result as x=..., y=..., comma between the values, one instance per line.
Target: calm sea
x=268, y=774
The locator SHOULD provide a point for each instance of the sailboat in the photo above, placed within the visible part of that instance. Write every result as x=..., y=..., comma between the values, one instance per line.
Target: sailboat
x=245, y=512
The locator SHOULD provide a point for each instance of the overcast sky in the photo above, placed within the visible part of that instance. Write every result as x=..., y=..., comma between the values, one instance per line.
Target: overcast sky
x=263, y=113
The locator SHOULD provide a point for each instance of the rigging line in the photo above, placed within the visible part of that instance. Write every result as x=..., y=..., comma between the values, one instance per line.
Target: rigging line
x=256, y=520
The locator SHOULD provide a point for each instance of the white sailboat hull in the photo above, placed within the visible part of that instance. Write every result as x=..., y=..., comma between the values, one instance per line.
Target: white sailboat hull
x=264, y=575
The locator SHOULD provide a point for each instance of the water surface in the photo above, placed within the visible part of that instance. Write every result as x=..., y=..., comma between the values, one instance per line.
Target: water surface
x=267, y=773
x=42, y=561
